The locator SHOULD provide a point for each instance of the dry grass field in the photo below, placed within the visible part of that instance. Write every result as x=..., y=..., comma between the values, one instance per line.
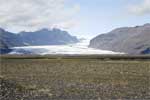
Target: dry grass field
x=75, y=78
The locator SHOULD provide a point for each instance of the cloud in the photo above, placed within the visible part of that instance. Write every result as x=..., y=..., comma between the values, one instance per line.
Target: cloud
x=140, y=9
x=65, y=25
x=30, y=15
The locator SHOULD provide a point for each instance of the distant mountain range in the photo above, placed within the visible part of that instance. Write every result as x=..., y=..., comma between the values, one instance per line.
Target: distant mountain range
x=130, y=40
x=40, y=37
x=47, y=37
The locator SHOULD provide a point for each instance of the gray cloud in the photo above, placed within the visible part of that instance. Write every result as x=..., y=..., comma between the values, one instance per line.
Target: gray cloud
x=29, y=15
x=140, y=9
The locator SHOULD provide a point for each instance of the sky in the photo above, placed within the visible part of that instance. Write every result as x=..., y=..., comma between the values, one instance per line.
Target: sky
x=82, y=18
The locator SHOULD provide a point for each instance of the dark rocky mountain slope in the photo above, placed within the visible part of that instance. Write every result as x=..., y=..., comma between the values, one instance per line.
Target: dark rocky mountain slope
x=8, y=39
x=130, y=40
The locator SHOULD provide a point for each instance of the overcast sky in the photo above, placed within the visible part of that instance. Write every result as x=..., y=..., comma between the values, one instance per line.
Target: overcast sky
x=84, y=18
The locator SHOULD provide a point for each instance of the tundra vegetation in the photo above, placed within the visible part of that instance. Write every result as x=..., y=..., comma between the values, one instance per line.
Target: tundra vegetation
x=74, y=78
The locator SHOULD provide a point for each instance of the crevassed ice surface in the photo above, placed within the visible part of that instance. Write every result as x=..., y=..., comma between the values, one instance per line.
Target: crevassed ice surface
x=78, y=48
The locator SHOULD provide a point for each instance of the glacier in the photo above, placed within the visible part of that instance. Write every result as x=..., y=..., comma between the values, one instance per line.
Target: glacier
x=77, y=48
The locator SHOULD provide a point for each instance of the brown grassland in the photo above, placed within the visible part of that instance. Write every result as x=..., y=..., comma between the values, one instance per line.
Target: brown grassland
x=75, y=77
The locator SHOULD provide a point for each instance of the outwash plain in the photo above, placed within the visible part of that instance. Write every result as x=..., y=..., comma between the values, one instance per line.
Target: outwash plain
x=75, y=77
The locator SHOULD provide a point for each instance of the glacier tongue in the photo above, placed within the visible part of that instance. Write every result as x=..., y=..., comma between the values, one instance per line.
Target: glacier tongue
x=78, y=48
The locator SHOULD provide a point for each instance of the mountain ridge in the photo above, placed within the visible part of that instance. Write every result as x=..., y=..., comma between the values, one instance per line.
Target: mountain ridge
x=47, y=37
x=130, y=40
x=36, y=38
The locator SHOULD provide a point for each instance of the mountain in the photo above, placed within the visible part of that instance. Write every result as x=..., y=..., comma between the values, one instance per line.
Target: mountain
x=7, y=40
x=130, y=40
x=4, y=48
x=40, y=37
x=47, y=37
